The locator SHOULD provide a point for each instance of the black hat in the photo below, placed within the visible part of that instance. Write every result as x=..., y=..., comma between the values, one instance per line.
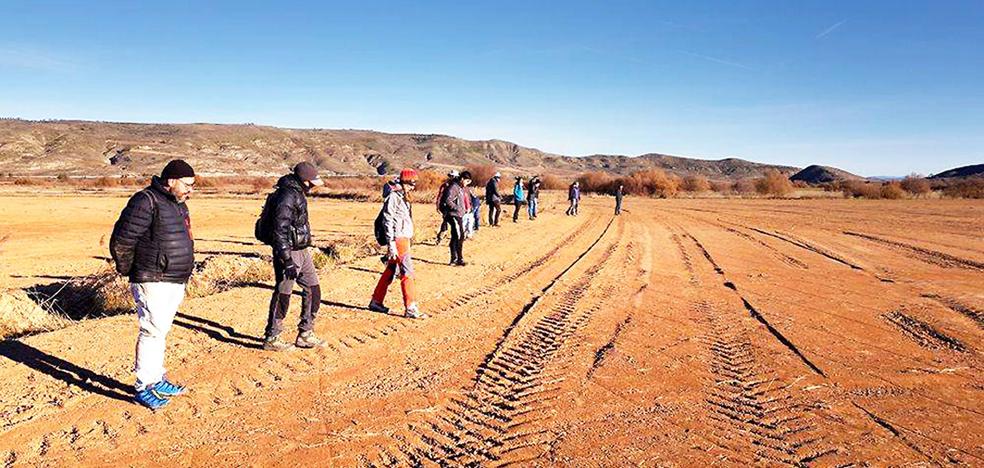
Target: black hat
x=466, y=175
x=308, y=173
x=177, y=169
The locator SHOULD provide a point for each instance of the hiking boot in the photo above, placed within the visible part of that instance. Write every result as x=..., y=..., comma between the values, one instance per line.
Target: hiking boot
x=308, y=340
x=414, y=312
x=377, y=307
x=168, y=389
x=460, y=263
x=274, y=343
x=150, y=399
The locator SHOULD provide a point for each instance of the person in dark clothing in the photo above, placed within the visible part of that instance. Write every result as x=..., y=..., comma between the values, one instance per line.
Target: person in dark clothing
x=454, y=206
x=452, y=177
x=574, y=196
x=533, y=197
x=618, y=200
x=494, y=199
x=518, y=198
x=292, y=261
x=153, y=246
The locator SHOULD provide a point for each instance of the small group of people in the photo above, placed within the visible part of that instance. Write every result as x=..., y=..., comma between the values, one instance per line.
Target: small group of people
x=152, y=244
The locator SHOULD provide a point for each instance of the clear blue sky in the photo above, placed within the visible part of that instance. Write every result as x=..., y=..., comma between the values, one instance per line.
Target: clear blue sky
x=875, y=87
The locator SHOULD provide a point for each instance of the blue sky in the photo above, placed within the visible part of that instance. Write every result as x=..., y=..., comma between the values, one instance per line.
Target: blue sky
x=875, y=87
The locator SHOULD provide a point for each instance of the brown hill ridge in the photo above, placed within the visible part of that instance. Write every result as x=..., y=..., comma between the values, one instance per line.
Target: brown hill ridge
x=84, y=148
x=816, y=174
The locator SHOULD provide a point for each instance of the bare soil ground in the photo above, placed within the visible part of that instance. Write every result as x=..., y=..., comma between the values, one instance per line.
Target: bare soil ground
x=685, y=332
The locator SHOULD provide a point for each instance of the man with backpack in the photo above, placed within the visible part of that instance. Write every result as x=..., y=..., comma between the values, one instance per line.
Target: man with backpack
x=533, y=197
x=152, y=245
x=394, y=229
x=284, y=225
x=455, y=205
x=452, y=177
x=494, y=199
x=574, y=196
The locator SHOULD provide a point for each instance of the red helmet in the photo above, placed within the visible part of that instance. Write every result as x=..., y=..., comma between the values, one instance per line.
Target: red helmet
x=408, y=175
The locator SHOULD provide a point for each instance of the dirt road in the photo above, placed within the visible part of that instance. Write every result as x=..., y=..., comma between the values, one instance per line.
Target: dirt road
x=683, y=332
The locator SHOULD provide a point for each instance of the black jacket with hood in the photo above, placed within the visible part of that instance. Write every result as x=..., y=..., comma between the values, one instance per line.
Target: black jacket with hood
x=291, y=228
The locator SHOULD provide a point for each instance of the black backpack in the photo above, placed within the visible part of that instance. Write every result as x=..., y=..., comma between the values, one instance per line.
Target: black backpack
x=262, y=230
x=379, y=227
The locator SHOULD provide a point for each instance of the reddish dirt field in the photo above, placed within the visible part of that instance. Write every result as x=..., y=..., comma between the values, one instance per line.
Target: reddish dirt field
x=684, y=332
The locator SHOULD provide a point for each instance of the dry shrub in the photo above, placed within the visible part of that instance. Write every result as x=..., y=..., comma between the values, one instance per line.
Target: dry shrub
x=552, y=182
x=102, y=293
x=651, y=182
x=261, y=184
x=222, y=272
x=892, y=191
x=773, y=184
x=595, y=182
x=744, y=186
x=916, y=185
x=481, y=173
x=27, y=181
x=202, y=182
x=344, y=251
x=429, y=180
x=721, y=186
x=19, y=315
x=104, y=182
x=967, y=188
x=861, y=189
x=801, y=184
x=695, y=183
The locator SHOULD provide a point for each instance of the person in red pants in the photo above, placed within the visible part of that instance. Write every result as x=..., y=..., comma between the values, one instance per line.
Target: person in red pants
x=397, y=216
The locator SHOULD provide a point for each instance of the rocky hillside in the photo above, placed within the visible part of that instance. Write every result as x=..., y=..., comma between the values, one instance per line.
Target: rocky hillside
x=80, y=148
x=975, y=170
x=816, y=174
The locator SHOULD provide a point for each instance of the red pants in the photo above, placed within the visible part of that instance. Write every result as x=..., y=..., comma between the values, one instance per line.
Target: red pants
x=402, y=264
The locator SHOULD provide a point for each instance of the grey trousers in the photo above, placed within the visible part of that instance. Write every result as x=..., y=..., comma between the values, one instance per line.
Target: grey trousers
x=307, y=277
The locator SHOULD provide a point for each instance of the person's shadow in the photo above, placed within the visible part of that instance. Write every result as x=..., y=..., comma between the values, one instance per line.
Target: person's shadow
x=326, y=302
x=217, y=331
x=65, y=371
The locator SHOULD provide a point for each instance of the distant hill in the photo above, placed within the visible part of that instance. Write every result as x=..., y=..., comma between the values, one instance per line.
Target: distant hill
x=816, y=174
x=82, y=148
x=974, y=170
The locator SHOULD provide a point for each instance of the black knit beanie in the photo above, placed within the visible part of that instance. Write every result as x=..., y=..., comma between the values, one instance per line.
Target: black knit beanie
x=177, y=169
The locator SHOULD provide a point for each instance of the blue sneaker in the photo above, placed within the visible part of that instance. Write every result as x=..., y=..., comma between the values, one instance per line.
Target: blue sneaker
x=168, y=389
x=149, y=398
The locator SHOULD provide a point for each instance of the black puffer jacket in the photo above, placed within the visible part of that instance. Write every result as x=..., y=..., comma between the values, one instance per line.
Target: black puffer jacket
x=291, y=228
x=152, y=240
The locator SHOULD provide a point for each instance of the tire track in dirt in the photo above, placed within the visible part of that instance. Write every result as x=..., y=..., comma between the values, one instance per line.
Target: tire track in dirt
x=269, y=374
x=786, y=342
x=963, y=309
x=812, y=247
x=922, y=333
x=734, y=229
x=925, y=255
x=746, y=398
x=495, y=419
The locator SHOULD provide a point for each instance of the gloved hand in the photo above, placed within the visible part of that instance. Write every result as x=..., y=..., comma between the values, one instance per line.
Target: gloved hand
x=290, y=272
x=391, y=252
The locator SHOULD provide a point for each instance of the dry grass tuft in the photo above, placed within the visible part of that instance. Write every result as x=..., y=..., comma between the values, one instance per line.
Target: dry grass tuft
x=20, y=315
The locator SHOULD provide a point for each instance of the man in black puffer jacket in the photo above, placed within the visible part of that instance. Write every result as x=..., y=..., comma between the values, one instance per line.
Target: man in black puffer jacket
x=292, y=261
x=152, y=245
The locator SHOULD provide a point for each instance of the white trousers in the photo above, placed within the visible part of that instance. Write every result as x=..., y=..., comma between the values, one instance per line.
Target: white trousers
x=157, y=303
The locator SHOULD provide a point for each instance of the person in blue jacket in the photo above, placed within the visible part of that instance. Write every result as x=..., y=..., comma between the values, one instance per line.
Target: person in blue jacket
x=518, y=198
